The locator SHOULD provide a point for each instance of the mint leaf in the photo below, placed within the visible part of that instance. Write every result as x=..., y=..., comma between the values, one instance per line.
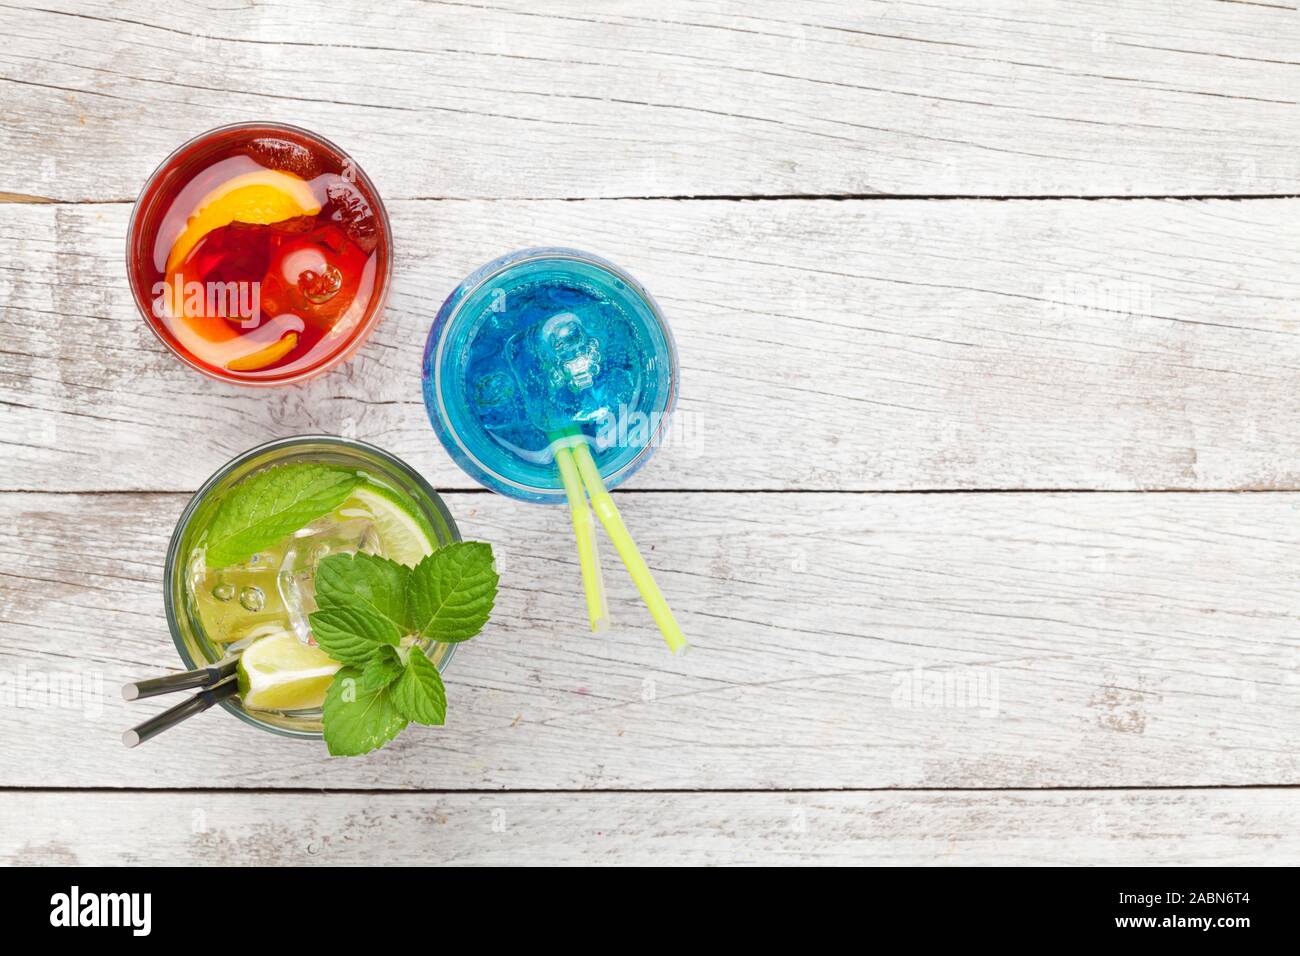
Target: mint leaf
x=382, y=669
x=357, y=718
x=377, y=584
x=418, y=693
x=450, y=593
x=367, y=605
x=270, y=504
x=352, y=635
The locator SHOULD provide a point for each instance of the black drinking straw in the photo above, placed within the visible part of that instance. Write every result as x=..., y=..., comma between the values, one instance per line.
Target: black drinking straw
x=182, y=711
x=201, y=677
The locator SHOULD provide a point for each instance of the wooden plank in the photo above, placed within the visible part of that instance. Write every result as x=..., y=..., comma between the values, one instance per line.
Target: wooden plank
x=842, y=641
x=961, y=97
x=825, y=345
x=1163, y=827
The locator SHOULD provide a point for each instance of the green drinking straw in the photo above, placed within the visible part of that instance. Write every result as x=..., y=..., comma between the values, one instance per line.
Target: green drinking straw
x=584, y=528
x=626, y=547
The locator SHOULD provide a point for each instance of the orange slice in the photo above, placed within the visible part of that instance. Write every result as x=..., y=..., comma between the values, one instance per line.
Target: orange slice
x=264, y=357
x=260, y=198
x=207, y=328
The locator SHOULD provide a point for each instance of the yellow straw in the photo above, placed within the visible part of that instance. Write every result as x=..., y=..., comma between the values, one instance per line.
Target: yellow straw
x=584, y=528
x=627, y=549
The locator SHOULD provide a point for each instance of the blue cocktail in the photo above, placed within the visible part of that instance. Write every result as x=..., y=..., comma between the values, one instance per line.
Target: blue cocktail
x=550, y=372
x=542, y=342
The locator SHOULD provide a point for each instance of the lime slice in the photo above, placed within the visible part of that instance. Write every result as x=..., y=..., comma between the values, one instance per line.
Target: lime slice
x=279, y=672
x=404, y=535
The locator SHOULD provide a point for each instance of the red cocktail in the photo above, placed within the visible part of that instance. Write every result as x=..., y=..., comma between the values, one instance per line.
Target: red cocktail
x=259, y=253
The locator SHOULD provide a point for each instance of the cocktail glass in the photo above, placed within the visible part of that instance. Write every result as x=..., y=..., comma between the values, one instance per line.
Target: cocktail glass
x=213, y=614
x=259, y=253
x=549, y=376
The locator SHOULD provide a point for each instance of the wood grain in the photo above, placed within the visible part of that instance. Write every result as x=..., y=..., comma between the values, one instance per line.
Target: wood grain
x=883, y=676
x=1168, y=828
x=825, y=345
x=505, y=99
x=842, y=641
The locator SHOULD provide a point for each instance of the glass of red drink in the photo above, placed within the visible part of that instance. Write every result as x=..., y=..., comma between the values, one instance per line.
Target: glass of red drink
x=259, y=253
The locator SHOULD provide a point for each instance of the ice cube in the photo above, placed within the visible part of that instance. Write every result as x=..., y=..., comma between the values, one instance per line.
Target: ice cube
x=346, y=206
x=296, y=580
x=495, y=395
x=556, y=364
x=275, y=153
x=299, y=597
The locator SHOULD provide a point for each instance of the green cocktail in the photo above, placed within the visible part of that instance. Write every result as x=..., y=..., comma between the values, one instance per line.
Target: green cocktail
x=266, y=562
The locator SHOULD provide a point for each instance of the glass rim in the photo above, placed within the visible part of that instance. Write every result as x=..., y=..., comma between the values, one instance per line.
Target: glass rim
x=363, y=330
x=494, y=268
x=182, y=523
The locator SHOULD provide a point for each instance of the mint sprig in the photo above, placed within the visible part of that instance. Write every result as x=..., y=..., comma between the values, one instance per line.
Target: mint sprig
x=359, y=718
x=382, y=669
x=270, y=504
x=377, y=584
x=372, y=611
x=352, y=634
x=450, y=593
x=418, y=692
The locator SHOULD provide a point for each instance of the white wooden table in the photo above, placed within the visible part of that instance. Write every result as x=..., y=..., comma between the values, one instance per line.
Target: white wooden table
x=983, y=517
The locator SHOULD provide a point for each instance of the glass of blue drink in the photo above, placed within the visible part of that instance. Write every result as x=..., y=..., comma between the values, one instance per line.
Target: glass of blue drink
x=549, y=376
